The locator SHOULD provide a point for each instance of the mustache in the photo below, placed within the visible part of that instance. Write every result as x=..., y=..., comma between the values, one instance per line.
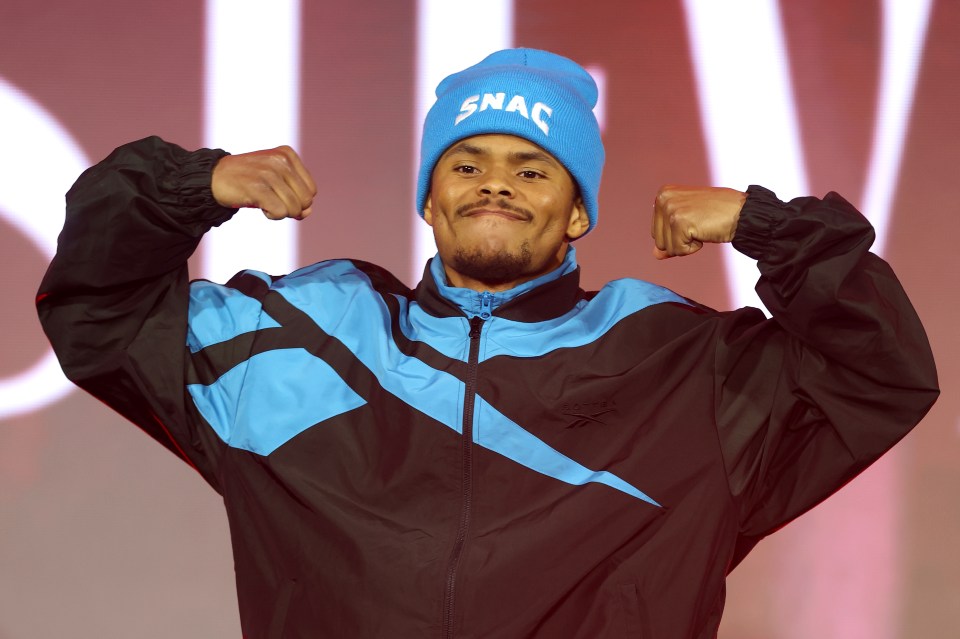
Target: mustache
x=463, y=209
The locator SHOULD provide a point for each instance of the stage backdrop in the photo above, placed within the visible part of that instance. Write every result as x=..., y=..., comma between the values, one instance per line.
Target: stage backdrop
x=105, y=534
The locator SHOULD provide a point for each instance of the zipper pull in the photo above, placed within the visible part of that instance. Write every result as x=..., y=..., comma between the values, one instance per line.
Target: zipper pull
x=486, y=304
x=475, y=325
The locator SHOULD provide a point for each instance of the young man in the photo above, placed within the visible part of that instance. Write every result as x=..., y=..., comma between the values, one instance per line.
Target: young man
x=496, y=453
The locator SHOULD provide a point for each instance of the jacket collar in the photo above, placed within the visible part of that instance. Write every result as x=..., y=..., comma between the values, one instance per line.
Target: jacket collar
x=540, y=299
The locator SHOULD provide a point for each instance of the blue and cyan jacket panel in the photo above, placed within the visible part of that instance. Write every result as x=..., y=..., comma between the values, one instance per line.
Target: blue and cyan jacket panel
x=267, y=399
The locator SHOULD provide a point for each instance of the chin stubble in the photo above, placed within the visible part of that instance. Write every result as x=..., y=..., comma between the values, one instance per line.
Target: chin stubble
x=495, y=268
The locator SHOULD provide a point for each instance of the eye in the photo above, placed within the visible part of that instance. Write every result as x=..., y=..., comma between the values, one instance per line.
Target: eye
x=466, y=169
x=530, y=174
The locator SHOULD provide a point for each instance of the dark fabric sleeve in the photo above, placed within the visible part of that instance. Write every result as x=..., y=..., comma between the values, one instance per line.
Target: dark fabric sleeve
x=114, y=300
x=843, y=370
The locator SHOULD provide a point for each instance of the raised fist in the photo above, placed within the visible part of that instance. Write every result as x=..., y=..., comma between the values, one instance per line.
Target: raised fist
x=274, y=181
x=684, y=217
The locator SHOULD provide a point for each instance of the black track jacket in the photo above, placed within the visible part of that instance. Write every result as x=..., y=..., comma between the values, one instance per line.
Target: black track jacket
x=440, y=463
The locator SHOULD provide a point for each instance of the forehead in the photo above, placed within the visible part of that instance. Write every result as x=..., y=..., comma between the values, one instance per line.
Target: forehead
x=496, y=145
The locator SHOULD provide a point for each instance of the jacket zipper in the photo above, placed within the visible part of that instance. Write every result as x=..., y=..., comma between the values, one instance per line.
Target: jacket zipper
x=466, y=450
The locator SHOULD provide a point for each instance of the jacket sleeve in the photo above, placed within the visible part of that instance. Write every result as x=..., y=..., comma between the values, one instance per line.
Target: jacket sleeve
x=843, y=370
x=114, y=300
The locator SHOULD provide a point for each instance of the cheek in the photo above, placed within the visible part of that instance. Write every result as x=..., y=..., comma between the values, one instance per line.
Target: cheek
x=445, y=199
x=557, y=209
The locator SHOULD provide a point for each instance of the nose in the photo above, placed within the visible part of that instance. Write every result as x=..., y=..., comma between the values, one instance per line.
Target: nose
x=495, y=183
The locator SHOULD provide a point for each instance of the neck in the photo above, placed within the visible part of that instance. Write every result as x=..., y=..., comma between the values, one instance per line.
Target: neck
x=442, y=276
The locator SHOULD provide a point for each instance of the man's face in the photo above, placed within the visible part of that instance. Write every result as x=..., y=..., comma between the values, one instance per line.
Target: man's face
x=502, y=211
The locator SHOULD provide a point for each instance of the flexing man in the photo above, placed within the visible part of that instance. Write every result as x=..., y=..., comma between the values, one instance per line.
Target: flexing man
x=417, y=463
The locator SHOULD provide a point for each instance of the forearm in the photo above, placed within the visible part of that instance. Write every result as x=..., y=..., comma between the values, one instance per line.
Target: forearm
x=841, y=372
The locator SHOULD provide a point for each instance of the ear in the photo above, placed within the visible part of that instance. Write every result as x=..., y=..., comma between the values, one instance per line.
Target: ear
x=578, y=223
x=428, y=210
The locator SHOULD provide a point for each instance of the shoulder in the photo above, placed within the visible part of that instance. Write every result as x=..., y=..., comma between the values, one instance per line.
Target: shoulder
x=653, y=316
x=252, y=300
x=246, y=291
x=338, y=272
x=636, y=305
x=344, y=273
x=636, y=294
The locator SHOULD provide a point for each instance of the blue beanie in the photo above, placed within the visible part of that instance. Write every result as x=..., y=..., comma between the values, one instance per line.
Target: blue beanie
x=536, y=95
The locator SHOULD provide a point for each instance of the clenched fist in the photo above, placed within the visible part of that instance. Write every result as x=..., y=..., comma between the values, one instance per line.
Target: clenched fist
x=274, y=181
x=684, y=217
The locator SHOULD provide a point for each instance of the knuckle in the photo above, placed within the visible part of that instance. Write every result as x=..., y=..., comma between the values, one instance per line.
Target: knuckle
x=286, y=154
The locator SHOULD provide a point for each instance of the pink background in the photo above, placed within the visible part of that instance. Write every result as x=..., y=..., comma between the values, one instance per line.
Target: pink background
x=105, y=534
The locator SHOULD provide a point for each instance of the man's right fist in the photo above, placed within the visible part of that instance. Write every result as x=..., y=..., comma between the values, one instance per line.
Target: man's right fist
x=274, y=181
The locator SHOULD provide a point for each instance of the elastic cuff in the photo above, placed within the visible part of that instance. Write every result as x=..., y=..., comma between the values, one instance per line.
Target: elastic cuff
x=761, y=214
x=191, y=183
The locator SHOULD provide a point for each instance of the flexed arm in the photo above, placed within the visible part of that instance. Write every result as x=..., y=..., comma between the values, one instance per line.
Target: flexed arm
x=115, y=298
x=807, y=399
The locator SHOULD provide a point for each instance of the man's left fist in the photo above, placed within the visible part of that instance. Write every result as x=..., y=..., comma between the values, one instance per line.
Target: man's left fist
x=684, y=217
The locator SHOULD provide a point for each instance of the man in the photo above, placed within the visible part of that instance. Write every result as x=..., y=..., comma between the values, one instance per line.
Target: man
x=496, y=453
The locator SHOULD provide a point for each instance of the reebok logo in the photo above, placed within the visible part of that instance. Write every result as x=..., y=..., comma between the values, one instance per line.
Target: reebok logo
x=517, y=104
x=586, y=413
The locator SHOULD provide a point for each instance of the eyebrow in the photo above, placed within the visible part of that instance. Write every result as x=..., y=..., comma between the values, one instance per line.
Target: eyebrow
x=465, y=147
x=532, y=156
x=516, y=156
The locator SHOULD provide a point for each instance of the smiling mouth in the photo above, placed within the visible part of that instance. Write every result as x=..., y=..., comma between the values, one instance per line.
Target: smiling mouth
x=500, y=209
x=509, y=215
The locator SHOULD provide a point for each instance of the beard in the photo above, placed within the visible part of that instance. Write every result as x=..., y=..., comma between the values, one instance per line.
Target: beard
x=493, y=267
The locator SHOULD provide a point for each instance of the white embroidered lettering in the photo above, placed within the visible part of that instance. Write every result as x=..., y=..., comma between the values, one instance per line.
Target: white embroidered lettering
x=519, y=105
x=493, y=101
x=537, y=116
x=468, y=108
